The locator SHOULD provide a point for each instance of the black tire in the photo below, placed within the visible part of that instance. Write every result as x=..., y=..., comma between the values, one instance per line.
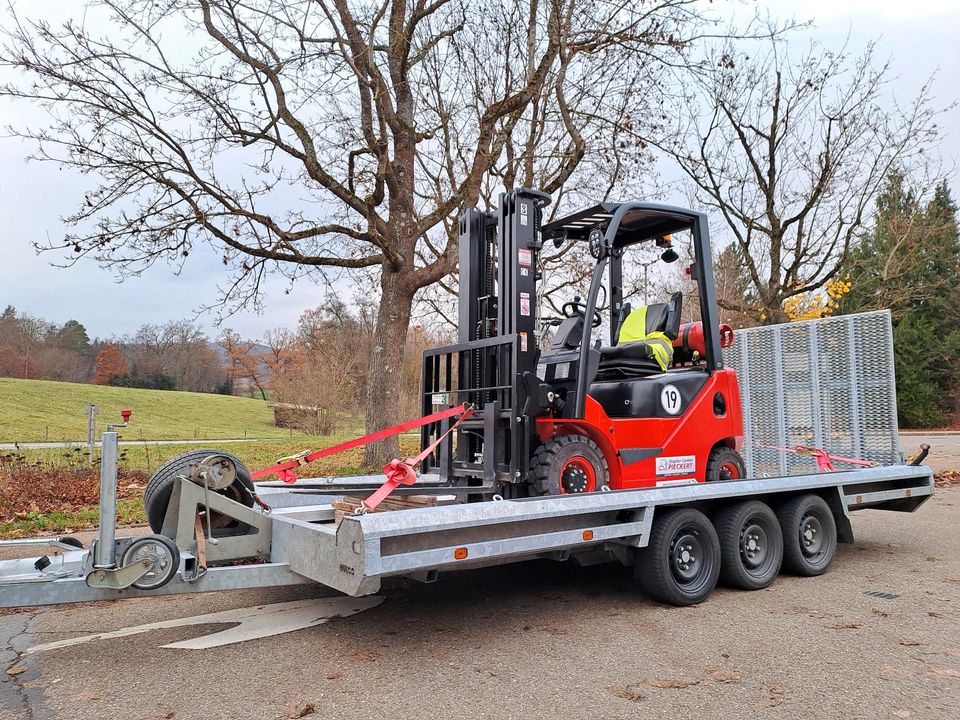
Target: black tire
x=725, y=464
x=165, y=554
x=568, y=464
x=809, y=535
x=681, y=563
x=156, y=497
x=751, y=545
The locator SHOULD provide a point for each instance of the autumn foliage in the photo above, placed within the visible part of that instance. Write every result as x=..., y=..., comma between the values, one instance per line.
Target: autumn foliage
x=35, y=487
x=111, y=364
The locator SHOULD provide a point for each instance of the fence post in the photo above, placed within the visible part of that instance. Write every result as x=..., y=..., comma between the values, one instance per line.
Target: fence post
x=92, y=411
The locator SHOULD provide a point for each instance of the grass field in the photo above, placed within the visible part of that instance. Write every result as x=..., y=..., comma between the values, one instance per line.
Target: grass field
x=40, y=410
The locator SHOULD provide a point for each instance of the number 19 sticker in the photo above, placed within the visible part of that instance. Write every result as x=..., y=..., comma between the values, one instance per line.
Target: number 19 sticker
x=671, y=399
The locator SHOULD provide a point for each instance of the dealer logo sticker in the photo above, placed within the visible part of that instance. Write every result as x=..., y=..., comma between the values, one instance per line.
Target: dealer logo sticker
x=671, y=400
x=677, y=465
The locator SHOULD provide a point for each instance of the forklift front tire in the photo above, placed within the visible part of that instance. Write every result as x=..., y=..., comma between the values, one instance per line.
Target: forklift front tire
x=681, y=563
x=569, y=464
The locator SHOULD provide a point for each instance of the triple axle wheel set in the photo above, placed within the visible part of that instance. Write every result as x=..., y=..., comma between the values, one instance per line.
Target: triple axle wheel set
x=742, y=545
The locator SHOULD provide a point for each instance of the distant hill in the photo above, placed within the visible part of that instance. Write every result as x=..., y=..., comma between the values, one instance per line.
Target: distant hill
x=38, y=410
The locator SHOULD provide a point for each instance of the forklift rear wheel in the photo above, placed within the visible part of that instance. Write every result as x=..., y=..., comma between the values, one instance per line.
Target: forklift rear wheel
x=156, y=497
x=809, y=535
x=725, y=463
x=164, y=554
x=751, y=545
x=569, y=464
x=681, y=563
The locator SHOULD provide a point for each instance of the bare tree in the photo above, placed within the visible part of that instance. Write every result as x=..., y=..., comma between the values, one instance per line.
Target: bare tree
x=245, y=362
x=790, y=155
x=179, y=349
x=327, y=136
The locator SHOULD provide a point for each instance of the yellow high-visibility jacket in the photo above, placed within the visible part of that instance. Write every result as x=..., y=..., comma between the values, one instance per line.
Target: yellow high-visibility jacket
x=634, y=329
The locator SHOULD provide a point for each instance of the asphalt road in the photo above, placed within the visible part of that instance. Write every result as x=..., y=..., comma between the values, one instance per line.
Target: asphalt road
x=539, y=640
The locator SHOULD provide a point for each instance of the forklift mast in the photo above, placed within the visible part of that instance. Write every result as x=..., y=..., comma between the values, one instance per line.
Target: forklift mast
x=497, y=346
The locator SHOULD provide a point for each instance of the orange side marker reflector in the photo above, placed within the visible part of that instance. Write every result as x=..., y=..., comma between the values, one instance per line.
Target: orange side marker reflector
x=460, y=554
x=588, y=534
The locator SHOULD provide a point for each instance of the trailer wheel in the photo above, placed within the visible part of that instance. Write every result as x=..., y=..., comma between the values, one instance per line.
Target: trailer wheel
x=681, y=563
x=809, y=535
x=751, y=545
x=156, y=497
x=568, y=464
x=725, y=463
x=165, y=555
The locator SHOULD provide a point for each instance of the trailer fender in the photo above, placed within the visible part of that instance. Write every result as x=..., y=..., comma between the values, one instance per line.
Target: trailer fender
x=841, y=514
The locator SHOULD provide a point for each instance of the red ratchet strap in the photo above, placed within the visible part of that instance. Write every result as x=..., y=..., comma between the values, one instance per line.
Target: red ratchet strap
x=824, y=459
x=400, y=472
x=285, y=467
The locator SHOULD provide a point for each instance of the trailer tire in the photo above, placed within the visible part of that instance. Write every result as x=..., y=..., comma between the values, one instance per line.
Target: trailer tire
x=156, y=497
x=568, y=464
x=751, y=545
x=681, y=563
x=725, y=463
x=809, y=535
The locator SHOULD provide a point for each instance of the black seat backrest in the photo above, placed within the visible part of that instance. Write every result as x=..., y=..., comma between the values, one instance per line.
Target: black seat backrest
x=665, y=317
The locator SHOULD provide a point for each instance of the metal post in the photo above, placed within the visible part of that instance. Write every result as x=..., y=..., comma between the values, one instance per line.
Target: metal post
x=106, y=556
x=92, y=411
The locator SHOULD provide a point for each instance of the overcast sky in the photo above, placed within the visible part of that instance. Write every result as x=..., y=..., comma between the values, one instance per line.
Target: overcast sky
x=922, y=37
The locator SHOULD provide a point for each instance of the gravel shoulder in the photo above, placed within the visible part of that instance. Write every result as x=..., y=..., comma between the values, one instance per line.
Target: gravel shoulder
x=539, y=640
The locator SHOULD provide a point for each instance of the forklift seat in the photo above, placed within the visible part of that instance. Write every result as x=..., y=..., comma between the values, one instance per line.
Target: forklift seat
x=645, y=342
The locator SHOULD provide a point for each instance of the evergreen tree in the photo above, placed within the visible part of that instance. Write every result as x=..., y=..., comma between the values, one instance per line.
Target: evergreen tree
x=73, y=336
x=910, y=263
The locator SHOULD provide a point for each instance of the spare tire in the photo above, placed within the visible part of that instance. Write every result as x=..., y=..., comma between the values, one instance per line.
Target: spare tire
x=156, y=498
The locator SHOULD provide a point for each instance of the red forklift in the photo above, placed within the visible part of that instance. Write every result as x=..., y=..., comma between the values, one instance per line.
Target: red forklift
x=654, y=407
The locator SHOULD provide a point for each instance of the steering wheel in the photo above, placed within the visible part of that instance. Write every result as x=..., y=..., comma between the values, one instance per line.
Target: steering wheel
x=575, y=307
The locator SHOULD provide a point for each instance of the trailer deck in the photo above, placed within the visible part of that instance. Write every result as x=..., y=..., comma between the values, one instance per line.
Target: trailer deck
x=299, y=542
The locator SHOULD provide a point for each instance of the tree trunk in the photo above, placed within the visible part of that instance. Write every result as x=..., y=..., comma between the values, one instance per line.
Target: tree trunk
x=773, y=314
x=386, y=365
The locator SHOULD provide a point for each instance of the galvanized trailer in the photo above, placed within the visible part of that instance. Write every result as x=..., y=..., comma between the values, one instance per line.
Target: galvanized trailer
x=299, y=542
x=521, y=445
